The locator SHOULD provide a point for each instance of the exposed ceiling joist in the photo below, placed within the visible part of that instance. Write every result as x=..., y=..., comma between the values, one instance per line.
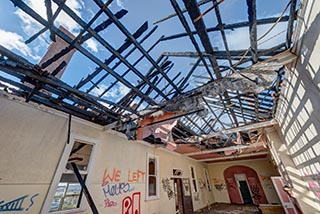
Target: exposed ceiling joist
x=256, y=154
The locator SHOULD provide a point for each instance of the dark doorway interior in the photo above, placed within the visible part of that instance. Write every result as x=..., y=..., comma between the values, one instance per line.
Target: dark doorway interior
x=245, y=192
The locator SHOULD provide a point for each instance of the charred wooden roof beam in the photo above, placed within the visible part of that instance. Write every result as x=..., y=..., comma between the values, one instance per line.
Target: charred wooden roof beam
x=125, y=31
x=232, y=26
x=191, y=36
x=194, y=13
x=110, y=48
x=292, y=17
x=252, y=16
x=85, y=52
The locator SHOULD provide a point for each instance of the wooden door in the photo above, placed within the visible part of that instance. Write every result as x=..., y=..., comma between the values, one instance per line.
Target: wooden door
x=289, y=204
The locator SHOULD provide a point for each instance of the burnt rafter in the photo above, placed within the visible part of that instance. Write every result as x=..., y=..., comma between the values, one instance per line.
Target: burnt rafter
x=188, y=30
x=252, y=16
x=82, y=38
x=194, y=13
x=209, y=89
x=85, y=52
x=292, y=17
x=122, y=48
x=136, y=43
x=232, y=26
x=119, y=63
x=111, y=49
x=24, y=70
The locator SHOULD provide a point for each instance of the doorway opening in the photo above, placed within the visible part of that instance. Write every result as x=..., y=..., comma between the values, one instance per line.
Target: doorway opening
x=182, y=193
x=244, y=188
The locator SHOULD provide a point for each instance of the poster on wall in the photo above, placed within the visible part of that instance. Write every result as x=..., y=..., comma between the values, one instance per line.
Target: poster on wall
x=186, y=187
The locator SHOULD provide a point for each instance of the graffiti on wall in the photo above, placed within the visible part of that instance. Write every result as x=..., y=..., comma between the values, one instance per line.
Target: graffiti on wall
x=167, y=187
x=219, y=184
x=131, y=204
x=255, y=190
x=18, y=204
x=252, y=180
x=115, y=183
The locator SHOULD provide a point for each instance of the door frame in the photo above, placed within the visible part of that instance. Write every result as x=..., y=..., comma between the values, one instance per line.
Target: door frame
x=237, y=178
x=286, y=201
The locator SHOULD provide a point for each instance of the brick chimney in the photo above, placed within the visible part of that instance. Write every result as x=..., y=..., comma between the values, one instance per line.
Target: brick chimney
x=56, y=47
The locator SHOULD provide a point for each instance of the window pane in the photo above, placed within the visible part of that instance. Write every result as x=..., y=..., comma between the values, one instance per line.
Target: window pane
x=80, y=154
x=194, y=186
x=70, y=202
x=192, y=173
x=152, y=166
x=61, y=189
x=55, y=205
x=152, y=186
x=74, y=189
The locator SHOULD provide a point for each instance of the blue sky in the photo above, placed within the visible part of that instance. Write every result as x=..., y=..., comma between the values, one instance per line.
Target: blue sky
x=16, y=27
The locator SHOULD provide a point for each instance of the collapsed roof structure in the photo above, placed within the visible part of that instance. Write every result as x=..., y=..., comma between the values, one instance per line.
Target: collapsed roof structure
x=220, y=115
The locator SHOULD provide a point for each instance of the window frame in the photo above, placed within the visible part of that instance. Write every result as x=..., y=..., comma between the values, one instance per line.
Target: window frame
x=207, y=179
x=61, y=169
x=156, y=158
x=195, y=186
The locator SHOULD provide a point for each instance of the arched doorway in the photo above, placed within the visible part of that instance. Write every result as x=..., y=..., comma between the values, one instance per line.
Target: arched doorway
x=244, y=186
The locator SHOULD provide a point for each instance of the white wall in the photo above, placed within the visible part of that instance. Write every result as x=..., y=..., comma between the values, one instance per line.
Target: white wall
x=33, y=140
x=299, y=109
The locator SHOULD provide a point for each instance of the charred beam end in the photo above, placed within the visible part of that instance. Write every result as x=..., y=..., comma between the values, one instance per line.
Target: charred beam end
x=292, y=17
x=50, y=20
x=252, y=16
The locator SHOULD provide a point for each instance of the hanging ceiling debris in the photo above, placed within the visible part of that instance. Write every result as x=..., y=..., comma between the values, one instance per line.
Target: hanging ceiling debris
x=185, y=110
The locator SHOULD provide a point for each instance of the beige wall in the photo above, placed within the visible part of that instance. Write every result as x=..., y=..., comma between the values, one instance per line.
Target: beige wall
x=299, y=110
x=33, y=140
x=263, y=168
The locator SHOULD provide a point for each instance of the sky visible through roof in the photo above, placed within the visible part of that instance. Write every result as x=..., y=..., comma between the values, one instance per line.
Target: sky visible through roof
x=16, y=27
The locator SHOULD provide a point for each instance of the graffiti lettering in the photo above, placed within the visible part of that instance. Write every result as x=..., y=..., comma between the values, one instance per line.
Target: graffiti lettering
x=114, y=178
x=116, y=189
x=131, y=205
x=115, y=184
x=255, y=192
x=109, y=203
x=167, y=187
x=136, y=176
x=16, y=204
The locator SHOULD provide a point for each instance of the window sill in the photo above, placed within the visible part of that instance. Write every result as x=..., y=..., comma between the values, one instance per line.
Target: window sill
x=152, y=198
